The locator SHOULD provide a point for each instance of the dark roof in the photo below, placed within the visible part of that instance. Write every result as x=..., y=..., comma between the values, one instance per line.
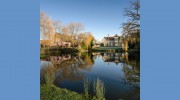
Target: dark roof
x=116, y=35
x=110, y=38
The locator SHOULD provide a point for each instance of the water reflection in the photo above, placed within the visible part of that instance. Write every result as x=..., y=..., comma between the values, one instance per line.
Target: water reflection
x=112, y=57
x=132, y=70
x=120, y=72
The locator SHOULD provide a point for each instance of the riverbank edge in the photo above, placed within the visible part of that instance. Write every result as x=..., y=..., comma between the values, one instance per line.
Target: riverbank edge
x=51, y=92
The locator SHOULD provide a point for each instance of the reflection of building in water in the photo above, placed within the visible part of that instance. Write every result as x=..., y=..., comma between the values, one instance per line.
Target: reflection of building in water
x=96, y=55
x=112, y=57
x=68, y=59
x=125, y=56
x=59, y=59
x=69, y=67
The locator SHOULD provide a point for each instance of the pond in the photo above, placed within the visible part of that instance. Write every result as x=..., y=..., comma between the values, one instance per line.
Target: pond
x=120, y=73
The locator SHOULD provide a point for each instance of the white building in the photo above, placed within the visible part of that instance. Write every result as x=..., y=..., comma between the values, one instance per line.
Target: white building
x=112, y=41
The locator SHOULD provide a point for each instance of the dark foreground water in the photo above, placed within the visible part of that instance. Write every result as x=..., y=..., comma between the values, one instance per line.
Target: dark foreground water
x=120, y=73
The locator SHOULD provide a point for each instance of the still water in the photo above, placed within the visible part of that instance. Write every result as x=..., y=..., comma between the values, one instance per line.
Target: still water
x=120, y=73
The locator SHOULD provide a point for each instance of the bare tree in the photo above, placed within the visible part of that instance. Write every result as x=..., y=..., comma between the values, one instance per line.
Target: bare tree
x=133, y=10
x=66, y=34
x=58, y=26
x=133, y=13
x=74, y=29
x=46, y=28
x=131, y=29
x=58, y=30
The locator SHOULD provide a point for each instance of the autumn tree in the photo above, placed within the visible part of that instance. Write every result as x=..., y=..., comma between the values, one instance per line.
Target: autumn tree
x=80, y=39
x=72, y=32
x=88, y=39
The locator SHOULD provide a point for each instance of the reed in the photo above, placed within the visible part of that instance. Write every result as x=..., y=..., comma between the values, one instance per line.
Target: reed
x=99, y=89
x=86, y=87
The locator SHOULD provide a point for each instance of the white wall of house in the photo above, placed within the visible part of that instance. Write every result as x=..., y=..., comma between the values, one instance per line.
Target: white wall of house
x=115, y=42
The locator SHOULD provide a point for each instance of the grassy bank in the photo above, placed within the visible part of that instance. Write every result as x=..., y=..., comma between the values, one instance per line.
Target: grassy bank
x=51, y=92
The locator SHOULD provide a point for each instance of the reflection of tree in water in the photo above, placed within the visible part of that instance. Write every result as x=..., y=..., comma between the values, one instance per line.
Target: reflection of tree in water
x=88, y=61
x=131, y=68
x=132, y=75
x=68, y=69
x=87, y=58
x=71, y=68
x=71, y=72
x=133, y=95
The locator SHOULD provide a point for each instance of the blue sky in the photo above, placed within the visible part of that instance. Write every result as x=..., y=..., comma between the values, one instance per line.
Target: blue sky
x=100, y=17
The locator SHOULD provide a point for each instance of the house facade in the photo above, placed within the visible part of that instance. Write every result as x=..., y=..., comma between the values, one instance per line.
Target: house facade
x=112, y=40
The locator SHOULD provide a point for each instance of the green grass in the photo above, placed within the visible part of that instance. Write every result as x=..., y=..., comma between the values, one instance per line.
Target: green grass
x=51, y=92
